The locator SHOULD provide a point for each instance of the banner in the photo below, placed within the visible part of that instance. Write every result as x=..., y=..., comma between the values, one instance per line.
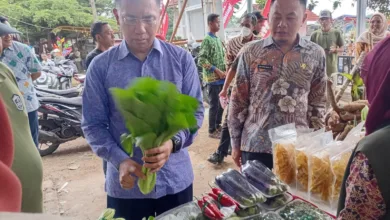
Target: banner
x=228, y=10
x=165, y=22
x=265, y=31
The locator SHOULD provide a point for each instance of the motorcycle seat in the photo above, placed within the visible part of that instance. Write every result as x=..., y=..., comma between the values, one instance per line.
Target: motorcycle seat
x=77, y=101
x=59, y=92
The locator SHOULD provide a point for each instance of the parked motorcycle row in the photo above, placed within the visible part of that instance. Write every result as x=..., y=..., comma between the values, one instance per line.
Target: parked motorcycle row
x=59, y=115
x=57, y=75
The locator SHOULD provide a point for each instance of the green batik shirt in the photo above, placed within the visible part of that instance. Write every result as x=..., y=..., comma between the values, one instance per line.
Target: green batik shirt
x=21, y=59
x=211, y=56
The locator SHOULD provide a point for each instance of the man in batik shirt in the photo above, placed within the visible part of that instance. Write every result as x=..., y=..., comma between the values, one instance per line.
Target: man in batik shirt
x=280, y=80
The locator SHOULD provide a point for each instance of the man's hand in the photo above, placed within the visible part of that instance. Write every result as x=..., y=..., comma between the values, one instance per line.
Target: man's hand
x=126, y=169
x=156, y=158
x=236, y=155
x=220, y=74
x=333, y=49
x=223, y=93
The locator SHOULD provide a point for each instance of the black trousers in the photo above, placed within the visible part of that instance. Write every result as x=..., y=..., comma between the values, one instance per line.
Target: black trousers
x=264, y=158
x=136, y=209
x=216, y=110
x=224, y=142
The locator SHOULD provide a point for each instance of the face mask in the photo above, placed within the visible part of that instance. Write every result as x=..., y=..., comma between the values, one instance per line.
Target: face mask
x=245, y=32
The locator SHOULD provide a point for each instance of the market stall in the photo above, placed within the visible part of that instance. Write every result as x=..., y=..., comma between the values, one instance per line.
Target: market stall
x=305, y=183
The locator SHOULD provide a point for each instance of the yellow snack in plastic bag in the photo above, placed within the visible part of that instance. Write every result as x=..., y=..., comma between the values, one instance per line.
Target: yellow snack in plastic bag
x=302, y=168
x=321, y=176
x=284, y=162
x=339, y=165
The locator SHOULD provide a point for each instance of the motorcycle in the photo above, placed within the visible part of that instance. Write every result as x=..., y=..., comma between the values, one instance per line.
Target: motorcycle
x=59, y=122
x=68, y=93
x=58, y=76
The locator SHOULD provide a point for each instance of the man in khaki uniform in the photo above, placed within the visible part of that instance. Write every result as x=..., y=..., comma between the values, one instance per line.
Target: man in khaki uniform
x=27, y=164
x=330, y=39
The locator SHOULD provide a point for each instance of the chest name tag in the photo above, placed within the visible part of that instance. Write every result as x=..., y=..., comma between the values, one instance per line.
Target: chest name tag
x=18, y=102
x=265, y=67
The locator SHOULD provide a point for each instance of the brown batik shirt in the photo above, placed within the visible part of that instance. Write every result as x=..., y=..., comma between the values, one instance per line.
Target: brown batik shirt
x=274, y=89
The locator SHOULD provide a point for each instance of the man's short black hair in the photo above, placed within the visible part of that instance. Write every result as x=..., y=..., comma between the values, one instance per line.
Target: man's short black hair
x=118, y=2
x=97, y=28
x=303, y=2
x=259, y=16
x=212, y=17
x=3, y=19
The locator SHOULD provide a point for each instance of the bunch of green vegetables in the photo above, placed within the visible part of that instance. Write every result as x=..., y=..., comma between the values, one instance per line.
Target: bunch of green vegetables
x=108, y=214
x=154, y=111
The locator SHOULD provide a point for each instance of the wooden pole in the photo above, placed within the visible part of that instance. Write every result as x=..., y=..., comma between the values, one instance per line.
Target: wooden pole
x=178, y=20
x=163, y=15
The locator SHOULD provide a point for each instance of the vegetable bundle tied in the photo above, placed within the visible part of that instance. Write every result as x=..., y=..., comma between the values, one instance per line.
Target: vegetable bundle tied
x=154, y=111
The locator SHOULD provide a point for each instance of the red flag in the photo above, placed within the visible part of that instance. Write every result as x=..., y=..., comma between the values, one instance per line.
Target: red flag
x=165, y=22
x=265, y=31
x=228, y=10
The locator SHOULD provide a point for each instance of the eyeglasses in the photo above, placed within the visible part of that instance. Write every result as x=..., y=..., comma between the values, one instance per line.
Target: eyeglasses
x=133, y=21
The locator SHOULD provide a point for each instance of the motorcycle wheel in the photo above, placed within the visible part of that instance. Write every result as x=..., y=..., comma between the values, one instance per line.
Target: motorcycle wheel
x=65, y=85
x=51, y=147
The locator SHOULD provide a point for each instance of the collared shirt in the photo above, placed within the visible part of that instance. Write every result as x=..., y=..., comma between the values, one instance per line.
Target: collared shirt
x=211, y=57
x=22, y=61
x=103, y=124
x=233, y=47
x=326, y=40
x=274, y=89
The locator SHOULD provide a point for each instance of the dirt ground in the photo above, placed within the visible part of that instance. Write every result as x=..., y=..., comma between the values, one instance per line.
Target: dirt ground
x=74, y=182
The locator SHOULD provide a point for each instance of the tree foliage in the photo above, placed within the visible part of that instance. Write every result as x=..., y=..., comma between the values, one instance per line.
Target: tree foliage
x=377, y=5
x=261, y=3
x=38, y=17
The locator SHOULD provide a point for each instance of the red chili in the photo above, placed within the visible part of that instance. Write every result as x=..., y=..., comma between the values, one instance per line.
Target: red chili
x=206, y=210
x=211, y=204
x=224, y=199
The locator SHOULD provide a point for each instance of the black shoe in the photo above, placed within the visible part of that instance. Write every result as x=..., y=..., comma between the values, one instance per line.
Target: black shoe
x=230, y=151
x=216, y=158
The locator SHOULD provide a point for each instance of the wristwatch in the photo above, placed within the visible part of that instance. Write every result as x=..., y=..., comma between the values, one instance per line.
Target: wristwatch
x=176, y=144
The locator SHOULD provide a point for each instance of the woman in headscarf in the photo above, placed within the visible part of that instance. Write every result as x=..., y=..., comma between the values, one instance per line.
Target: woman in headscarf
x=376, y=33
x=365, y=193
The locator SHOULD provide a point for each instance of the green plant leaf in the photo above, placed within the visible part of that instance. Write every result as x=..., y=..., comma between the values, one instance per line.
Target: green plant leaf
x=347, y=75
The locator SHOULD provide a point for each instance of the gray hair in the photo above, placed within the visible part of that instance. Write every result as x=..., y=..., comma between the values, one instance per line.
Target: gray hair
x=250, y=16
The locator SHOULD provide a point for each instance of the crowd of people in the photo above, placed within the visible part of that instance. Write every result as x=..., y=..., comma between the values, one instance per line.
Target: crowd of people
x=260, y=83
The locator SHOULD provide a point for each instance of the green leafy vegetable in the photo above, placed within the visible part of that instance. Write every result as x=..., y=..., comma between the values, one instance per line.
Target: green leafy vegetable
x=154, y=111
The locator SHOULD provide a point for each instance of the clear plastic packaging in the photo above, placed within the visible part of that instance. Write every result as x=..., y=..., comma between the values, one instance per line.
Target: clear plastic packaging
x=271, y=216
x=339, y=165
x=250, y=213
x=321, y=178
x=184, y=212
x=266, y=181
x=283, y=147
x=300, y=210
x=307, y=145
x=237, y=187
x=277, y=202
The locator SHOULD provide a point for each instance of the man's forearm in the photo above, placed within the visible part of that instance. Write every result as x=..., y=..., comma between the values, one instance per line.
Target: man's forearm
x=229, y=78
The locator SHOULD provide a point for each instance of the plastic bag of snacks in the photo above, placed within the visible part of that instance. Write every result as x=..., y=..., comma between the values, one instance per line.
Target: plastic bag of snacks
x=300, y=210
x=283, y=146
x=304, y=143
x=355, y=135
x=321, y=178
x=339, y=164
